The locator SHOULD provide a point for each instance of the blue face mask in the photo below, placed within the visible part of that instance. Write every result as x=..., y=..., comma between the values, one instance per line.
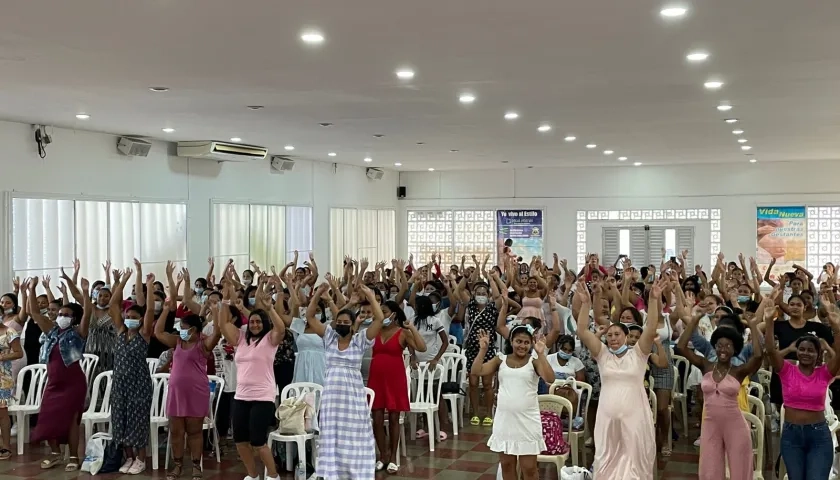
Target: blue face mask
x=132, y=324
x=252, y=301
x=564, y=355
x=619, y=350
x=386, y=322
x=743, y=298
x=185, y=335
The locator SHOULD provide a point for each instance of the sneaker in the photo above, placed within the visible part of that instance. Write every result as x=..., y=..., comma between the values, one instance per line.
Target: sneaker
x=589, y=442
x=137, y=467
x=248, y=477
x=697, y=442
x=126, y=465
x=13, y=431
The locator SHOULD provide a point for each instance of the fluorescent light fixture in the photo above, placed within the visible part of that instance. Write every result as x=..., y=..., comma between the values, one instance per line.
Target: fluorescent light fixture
x=713, y=85
x=737, y=132
x=621, y=159
x=398, y=164
x=742, y=140
x=673, y=11
x=431, y=169
x=591, y=146
x=289, y=148
x=753, y=160
x=637, y=164
x=746, y=147
x=731, y=120
x=236, y=139
x=724, y=107
x=608, y=152
x=159, y=89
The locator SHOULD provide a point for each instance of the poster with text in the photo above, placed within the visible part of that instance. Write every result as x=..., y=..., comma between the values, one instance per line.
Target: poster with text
x=524, y=229
x=780, y=235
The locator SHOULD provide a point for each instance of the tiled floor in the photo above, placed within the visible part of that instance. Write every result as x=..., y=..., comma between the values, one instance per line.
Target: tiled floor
x=463, y=458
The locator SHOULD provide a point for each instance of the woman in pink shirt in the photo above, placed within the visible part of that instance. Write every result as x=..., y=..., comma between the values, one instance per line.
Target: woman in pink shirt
x=806, y=443
x=253, y=403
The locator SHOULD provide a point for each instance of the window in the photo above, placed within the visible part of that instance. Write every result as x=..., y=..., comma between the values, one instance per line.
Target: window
x=48, y=234
x=823, y=238
x=670, y=243
x=368, y=233
x=265, y=234
x=644, y=244
x=624, y=242
x=453, y=234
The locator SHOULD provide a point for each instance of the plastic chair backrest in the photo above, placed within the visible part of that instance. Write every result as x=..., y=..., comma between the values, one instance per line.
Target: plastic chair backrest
x=455, y=365
x=428, y=383
x=217, y=387
x=556, y=404
x=105, y=405
x=302, y=388
x=758, y=388
x=756, y=406
x=581, y=388
x=160, y=390
x=152, y=363
x=757, y=434
x=37, y=382
x=370, y=396
x=88, y=364
x=653, y=403
x=452, y=348
x=680, y=382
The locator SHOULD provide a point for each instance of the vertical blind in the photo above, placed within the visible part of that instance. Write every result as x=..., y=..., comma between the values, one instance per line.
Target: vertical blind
x=369, y=233
x=48, y=234
x=265, y=234
x=643, y=246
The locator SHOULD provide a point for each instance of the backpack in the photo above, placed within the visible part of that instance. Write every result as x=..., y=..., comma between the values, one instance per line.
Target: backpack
x=552, y=428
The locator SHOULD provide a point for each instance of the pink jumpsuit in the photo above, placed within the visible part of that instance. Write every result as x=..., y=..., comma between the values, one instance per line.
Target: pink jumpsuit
x=726, y=433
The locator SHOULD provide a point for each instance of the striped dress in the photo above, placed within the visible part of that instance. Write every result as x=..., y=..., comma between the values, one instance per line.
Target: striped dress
x=346, y=448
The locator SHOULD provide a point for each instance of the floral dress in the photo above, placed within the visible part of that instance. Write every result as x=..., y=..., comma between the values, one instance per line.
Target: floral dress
x=7, y=378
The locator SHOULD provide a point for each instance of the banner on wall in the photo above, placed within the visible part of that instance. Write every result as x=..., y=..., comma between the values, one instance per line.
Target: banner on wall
x=525, y=230
x=781, y=235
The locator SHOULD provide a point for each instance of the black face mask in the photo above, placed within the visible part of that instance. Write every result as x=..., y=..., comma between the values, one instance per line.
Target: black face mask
x=342, y=330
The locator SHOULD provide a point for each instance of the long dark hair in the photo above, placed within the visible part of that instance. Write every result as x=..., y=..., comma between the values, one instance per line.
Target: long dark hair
x=266, y=326
x=14, y=299
x=422, y=310
x=517, y=330
x=399, y=315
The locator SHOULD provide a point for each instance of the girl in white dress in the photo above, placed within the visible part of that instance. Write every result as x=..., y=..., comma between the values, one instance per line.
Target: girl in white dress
x=517, y=428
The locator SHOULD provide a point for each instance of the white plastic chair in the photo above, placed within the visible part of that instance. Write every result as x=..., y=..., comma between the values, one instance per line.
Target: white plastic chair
x=88, y=364
x=679, y=393
x=297, y=390
x=30, y=402
x=99, y=412
x=153, y=365
x=453, y=349
x=577, y=437
x=455, y=365
x=217, y=385
x=758, y=388
x=556, y=404
x=426, y=400
x=757, y=434
x=370, y=394
x=158, y=418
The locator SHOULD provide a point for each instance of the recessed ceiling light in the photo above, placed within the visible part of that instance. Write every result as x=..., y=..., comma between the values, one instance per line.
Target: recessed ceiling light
x=289, y=147
x=621, y=159
x=637, y=164
x=570, y=138
x=405, y=74
x=168, y=130
x=235, y=139
x=737, y=132
x=511, y=116
x=378, y=135
x=713, y=85
x=591, y=145
x=368, y=159
x=312, y=37
x=255, y=107
x=544, y=128
x=753, y=160
x=746, y=147
x=504, y=161
x=431, y=169
x=724, y=107
x=466, y=98
x=82, y=116
x=398, y=164
x=454, y=150
x=421, y=143
x=731, y=120
x=742, y=140
x=159, y=89
x=673, y=11
x=697, y=56
x=326, y=124
x=332, y=154
x=608, y=152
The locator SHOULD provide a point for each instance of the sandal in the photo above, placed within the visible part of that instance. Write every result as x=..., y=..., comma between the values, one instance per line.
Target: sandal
x=175, y=473
x=488, y=422
x=5, y=454
x=442, y=436
x=393, y=468
x=379, y=466
x=196, y=473
x=72, y=464
x=666, y=452
x=421, y=434
x=475, y=421
x=51, y=461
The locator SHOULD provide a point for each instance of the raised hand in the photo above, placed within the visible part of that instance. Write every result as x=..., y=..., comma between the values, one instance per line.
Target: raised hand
x=150, y=279
x=127, y=274
x=483, y=340
x=85, y=285
x=539, y=347
x=107, y=267
x=46, y=281
x=77, y=265
x=583, y=293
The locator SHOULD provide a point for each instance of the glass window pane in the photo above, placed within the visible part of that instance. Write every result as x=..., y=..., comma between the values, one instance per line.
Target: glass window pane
x=670, y=242
x=92, y=239
x=298, y=231
x=624, y=242
x=163, y=232
x=43, y=233
x=124, y=233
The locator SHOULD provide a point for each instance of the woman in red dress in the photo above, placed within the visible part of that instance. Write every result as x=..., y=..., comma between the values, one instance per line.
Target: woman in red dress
x=64, y=395
x=388, y=379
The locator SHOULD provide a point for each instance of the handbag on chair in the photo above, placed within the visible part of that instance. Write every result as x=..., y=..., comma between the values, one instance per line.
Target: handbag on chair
x=291, y=416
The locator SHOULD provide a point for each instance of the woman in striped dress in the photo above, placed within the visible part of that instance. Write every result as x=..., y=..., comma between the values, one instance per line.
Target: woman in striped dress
x=347, y=449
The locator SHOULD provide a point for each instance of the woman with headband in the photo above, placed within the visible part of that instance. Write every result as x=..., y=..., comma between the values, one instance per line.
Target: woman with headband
x=625, y=445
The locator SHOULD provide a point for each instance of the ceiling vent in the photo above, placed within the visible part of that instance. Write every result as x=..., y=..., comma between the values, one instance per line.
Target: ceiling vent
x=375, y=173
x=280, y=164
x=133, y=147
x=221, y=151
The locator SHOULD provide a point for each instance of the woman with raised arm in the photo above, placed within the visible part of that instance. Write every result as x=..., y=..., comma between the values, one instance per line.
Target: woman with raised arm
x=806, y=443
x=347, y=448
x=625, y=443
x=64, y=396
x=188, y=401
x=253, y=404
x=725, y=436
x=131, y=393
x=103, y=334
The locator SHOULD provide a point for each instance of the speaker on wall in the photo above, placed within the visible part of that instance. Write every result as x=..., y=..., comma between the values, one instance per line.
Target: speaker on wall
x=400, y=192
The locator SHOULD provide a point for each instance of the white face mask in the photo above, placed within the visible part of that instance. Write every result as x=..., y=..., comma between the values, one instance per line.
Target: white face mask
x=9, y=311
x=158, y=306
x=63, y=322
x=481, y=299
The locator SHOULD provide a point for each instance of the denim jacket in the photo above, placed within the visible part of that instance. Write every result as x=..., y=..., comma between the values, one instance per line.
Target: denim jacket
x=71, y=346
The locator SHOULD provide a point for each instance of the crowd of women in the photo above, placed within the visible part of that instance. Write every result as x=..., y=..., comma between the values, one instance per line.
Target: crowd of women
x=616, y=328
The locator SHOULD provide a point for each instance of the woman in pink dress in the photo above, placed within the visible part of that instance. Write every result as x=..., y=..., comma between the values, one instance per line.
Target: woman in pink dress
x=188, y=401
x=625, y=445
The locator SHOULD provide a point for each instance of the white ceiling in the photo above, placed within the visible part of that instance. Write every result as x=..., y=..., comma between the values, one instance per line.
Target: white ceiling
x=610, y=72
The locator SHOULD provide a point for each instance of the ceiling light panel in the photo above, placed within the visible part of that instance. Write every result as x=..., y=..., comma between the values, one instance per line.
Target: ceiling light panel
x=673, y=11
x=591, y=146
x=724, y=107
x=697, y=56
x=466, y=98
x=713, y=85
x=312, y=37
x=544, y=128
x=570, y=138
x=511, y=116
x=405, y=74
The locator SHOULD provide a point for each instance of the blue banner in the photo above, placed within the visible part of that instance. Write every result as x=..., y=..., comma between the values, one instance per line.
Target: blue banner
x=524, y=230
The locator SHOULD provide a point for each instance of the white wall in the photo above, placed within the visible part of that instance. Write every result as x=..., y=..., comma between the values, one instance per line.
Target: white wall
x=83, y=164
x=561, y=192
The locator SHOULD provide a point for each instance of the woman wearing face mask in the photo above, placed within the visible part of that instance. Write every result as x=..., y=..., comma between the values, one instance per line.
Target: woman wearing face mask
x=131, y=393
x=346, y=447
x=482, y=314
x=564, y=363
x=103, y=335
x=388, y=381
x=436, y=340
x=64, y=396
x=310, y=359
x=806, y=444
x=517, y=428
x=625, y=443
x=188, y=401
x=157, y=304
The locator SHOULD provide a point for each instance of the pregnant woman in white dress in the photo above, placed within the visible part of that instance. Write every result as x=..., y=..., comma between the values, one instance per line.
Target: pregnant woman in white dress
x=517, y=428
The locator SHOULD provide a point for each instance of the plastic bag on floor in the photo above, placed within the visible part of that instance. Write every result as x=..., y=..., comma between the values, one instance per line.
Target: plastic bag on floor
x=575, y=473
x=95, y=453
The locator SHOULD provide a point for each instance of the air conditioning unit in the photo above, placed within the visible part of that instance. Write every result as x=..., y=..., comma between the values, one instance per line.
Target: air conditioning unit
x=280, y=164
x=221, y=151
x=375, y=173
x=133, y=147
